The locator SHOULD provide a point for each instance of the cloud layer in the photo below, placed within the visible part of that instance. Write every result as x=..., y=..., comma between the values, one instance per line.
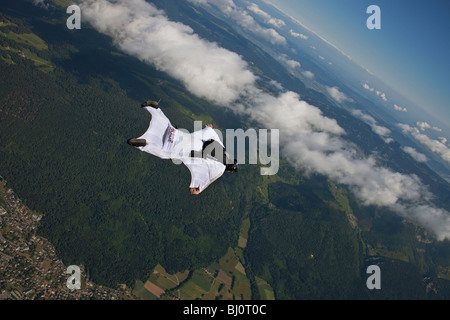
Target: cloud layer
x=309, y=141
x=437, y=146
x=419, y=157
x=338, y=95
x=246, y=21
x=398, y=108
x=383, y=132
x=382, y=95
x=298, y=35
x=278, y=23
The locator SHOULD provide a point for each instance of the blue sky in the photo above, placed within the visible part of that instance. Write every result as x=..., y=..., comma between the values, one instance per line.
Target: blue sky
x=410, y=53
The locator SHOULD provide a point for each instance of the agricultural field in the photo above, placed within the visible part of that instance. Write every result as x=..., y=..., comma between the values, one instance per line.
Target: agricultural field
x=222, y=280
x=225, y=279
x=25, y=45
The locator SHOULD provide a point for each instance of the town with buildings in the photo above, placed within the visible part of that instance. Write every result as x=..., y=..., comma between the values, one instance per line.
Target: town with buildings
x=29, y=266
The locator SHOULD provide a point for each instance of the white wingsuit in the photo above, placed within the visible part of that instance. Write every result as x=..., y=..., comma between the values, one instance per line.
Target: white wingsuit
x=167, y=142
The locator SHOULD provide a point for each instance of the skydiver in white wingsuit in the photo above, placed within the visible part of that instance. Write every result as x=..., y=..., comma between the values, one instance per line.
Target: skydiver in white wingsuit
x=201, y=151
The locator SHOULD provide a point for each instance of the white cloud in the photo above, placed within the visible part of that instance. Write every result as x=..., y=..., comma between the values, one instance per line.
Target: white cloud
x=419, y=157
x=276, y=85
x=308, y=74
x=368, y=71
x=338, y=95
x=289, y=63
x=437, y=146
x=310, y=141
x=245, y=20
x=143, y=31
x=199, y=2
x=398, y=108
x=41, y=3
x=382, y=95
x=367, y=87
x=278, y=23
x=383, y=132
x=425, y=125
x=298, y=35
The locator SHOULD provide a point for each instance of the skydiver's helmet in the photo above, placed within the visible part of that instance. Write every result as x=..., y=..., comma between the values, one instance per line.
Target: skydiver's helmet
x=234, y=167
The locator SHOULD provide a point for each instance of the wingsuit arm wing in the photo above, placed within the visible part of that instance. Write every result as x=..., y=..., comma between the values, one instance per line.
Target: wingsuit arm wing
x=209, y=133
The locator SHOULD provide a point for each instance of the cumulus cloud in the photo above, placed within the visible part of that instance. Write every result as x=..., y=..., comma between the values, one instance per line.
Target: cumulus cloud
x=298, y=35
x=337, y=95
x=419, y=157
x=143, y=31
x=367, y=87
x=244, y=19
x=437, y=146
x=41, y=3
x=425, y=125
x=278, y=23
x=398, y=108
x=199, y=2
x=308, y=74
x=383, y=132
x=382, y=95
x=289, y=63
x=310, y=141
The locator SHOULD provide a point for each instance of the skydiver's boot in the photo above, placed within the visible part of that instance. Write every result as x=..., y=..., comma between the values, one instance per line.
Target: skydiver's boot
x=150, y=103
x=137, y=142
